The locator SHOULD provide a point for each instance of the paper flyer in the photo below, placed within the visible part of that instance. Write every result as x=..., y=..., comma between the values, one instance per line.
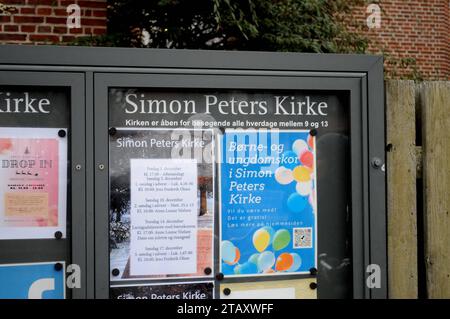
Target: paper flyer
x=33, y=182
x=279, y=289
x=268, y=203
x=172, y=291
x=162, y=203
x=163, y=231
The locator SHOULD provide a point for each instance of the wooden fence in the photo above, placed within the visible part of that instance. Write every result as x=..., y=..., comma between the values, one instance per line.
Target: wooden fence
x=418, y=183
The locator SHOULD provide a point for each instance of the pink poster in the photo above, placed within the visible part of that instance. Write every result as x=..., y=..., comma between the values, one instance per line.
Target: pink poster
x=33, y=181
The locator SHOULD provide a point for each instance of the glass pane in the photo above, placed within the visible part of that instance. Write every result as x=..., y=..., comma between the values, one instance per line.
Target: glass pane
x=35, y=228
x=256, y=180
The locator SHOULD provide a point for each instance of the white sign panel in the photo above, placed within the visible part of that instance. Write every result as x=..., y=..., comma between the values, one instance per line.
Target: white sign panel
x=163, y=216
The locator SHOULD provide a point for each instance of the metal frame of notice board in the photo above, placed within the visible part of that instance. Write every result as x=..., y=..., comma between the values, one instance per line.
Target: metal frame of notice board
x=50, y=250
x=89, y=72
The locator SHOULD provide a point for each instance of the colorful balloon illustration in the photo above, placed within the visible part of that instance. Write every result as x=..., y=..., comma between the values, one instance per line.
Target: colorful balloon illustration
x=296, y=264
x=311, y=201
x=296, y=203
x=307, y=159
x=271, y=232
x=254, y=258
x=261, y=239
x=283, y=175
x=281, y=239
x=284, y=262
x=265, y=261
x=228, y=252
x=304, y=188
x=290, y=159
x=237, y=269
x=246, y=269
x=302, y=173
x=236, y=259
x=299, y=146
x=5, y=145
x=311, y=141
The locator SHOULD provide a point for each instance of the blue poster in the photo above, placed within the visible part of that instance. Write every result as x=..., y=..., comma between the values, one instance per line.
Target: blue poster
x=32, y=281
x=268, y=202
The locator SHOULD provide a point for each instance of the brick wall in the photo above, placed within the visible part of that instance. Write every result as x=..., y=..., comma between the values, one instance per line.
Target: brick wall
x=414, y=34
x=414, y=37
x=44, y=21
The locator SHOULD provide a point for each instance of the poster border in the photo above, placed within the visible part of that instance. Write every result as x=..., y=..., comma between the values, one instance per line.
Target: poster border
x=163, y=279
x=270, y=283
x=165, y=283
x=33, y=133
x=220, y=205
x=362, y=80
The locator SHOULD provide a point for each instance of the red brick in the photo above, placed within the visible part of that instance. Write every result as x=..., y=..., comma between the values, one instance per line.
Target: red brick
x=28, y=19
x=13, y=37
x=60, y=30
x=27, y=10
x=91, y=4
x=42, y=2
x=10, y=28
x=28, y=28
x=44, y=11
x=75, y=31
x=93, y=22
x=68, y=38
x=44, y=38
x=4, y=19
x=60, y=12
x=53, y=20
x=13, y=1
x=99, y=13
x=44, y=29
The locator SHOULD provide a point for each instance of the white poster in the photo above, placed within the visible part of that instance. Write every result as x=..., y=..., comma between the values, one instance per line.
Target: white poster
x=274, y=293
x=163, y=216
x=33, y=183
x=278, y=289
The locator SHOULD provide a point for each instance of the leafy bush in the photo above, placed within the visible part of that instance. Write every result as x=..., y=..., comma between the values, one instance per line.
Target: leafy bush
x=263, y=25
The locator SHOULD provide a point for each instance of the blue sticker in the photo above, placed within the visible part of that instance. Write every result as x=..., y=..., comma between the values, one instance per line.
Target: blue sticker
x=268, y=203
x=31, y=281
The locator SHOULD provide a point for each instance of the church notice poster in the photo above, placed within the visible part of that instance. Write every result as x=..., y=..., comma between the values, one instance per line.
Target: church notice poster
x=268, y=203
x=163, y=232
x=162, y=204
x=33, y=181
